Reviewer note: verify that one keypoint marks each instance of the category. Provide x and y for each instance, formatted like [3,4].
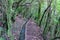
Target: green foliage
[37,13]
[36,8]
[1,38]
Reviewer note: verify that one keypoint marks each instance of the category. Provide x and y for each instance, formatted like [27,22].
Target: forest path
[32,31]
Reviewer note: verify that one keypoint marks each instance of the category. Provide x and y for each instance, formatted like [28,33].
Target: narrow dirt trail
[32,31]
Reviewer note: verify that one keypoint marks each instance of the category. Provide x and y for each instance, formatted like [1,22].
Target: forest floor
[32,31]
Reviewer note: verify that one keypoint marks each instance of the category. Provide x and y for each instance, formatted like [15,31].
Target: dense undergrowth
[46,14]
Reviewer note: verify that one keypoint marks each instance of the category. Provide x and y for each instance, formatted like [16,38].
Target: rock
[32,31]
